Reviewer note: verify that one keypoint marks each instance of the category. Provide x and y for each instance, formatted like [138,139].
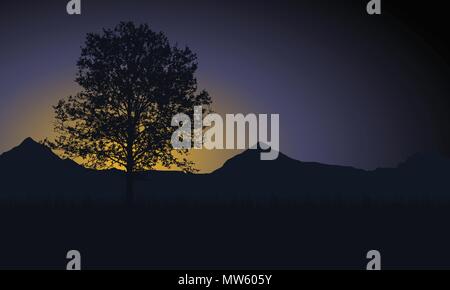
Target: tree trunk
[129,188]
[130,158]
[130,177]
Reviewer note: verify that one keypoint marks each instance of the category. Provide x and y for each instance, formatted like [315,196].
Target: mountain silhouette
[32,155]
[31,172]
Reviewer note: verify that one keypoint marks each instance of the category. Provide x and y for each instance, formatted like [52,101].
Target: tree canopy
[133,82]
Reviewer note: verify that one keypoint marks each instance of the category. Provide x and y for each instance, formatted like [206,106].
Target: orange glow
[34,118]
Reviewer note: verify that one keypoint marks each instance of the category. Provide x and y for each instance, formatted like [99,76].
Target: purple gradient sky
[350,89]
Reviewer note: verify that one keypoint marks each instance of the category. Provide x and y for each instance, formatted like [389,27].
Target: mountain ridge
[33,148]
[31,171]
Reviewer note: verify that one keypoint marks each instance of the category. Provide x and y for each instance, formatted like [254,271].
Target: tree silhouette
[133,82]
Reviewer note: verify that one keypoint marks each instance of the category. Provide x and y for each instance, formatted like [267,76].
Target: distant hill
[32,173]
[32,155]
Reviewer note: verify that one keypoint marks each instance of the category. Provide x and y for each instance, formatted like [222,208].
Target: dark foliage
[133,82]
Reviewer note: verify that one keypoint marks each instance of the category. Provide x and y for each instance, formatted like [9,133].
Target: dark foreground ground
[176,237]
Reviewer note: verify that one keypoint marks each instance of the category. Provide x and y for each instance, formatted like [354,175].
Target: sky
[351,89]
